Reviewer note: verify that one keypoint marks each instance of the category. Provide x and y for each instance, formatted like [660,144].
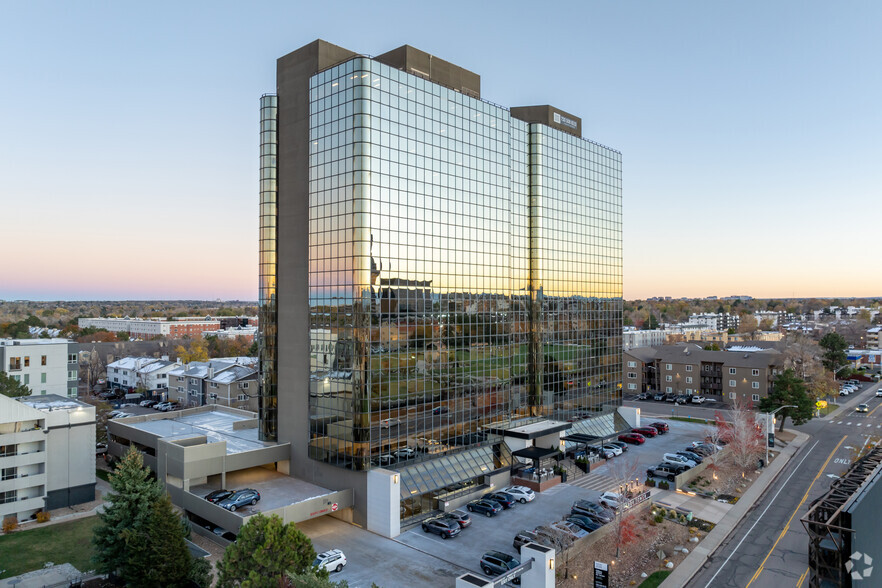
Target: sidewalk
[696,559]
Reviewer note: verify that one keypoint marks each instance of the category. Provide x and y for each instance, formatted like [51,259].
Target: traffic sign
[334,507]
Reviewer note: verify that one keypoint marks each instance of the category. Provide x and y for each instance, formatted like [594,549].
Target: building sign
[565,121]
[601,575]
[334,507]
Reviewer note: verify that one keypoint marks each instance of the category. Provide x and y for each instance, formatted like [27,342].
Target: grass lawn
[654,579]
[827,409]
[26,551]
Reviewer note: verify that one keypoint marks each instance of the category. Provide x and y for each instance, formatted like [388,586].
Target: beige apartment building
[690,370]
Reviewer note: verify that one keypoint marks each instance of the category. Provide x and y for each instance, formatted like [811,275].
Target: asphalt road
[769,547]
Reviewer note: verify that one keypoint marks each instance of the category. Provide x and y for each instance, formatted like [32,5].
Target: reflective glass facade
[267,303]
[464,274]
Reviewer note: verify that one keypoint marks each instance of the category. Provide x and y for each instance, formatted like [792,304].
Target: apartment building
[47,454]
[146,373]
[46,366]
[145,328]
[224,382]
[746,375]
[632,338]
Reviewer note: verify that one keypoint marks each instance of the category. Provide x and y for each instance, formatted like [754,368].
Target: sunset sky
[750,132]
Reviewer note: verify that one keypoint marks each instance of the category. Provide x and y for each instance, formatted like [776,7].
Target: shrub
[10,524]
[682,519]
[43,516]
[649,483]
[659,517]
[664,485]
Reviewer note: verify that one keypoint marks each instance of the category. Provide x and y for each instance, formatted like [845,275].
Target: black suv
[494,563]
[504,498]
[524,537]
[592,510]
[444,527]
[666,470]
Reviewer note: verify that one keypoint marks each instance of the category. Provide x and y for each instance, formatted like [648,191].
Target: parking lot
[419,558]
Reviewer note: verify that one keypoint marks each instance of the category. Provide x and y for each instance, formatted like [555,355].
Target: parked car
[587,523]
[620,444]
[664,470]
[645,431]
[712,447]
[385,459]
[696,399]
[161,405]
[844,392]
[240,498]
[674,458]
[486,507]
[332,561]
[218,495]
[643,396]
[503,498]
[862,408]
[171,406]
[389,423]
[661,427]
[658,396]
[522,493]
[670,398]
[571,530]
[405,453]
[681,399]
[524,537]
[614,448]
[610,500]
[635,438]
[147,403]
[702,451]
[495,563]
[463,519]
[592,510]
[444,527]
[691,455]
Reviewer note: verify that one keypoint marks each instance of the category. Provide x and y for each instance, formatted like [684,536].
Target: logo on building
[562,120]
[853,563]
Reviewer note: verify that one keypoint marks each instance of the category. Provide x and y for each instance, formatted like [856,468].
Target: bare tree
[624,471]
[93,367]
[743,433]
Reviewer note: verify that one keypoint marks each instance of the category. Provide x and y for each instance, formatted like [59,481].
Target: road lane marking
[763,513]
[759,570]
[848,423]
[802,578]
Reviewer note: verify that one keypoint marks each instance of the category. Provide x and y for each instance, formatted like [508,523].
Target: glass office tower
[464,277]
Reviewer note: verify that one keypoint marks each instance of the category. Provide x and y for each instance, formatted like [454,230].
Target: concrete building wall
[383,500]
[292,79]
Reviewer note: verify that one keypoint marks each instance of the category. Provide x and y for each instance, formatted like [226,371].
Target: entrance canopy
[534,453]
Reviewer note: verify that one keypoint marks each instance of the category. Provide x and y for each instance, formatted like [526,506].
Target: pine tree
[124,521]
[164,559]
[265,552]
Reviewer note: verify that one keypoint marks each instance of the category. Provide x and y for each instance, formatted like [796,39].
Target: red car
[635,438]
[661,427]
[645,431]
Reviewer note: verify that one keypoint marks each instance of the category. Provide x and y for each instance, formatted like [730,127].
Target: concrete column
[384,502]
[631,415]
[541,573]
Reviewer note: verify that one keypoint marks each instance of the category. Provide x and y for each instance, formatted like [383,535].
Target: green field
[29,550]
[655,579]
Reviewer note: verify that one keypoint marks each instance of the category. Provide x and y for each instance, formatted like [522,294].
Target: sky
[750,132]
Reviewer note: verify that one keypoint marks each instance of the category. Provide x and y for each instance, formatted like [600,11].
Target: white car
[879,393]
[568,529]
[679,459]
[332,561]
[697,399]
[405,453]
[521,493]
[610,500]
[616,450]
[389,423]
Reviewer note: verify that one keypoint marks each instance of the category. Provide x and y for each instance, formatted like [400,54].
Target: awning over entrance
[534,453]
[533,430]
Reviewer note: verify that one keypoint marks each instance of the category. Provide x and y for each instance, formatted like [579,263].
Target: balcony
[31,436]
[23,459]
[23,481]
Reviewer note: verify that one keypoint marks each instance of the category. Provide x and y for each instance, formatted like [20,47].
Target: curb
[696,559]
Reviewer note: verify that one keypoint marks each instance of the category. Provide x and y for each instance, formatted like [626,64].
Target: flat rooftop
[215,425]
[533,430]
[276,490]
[49,402]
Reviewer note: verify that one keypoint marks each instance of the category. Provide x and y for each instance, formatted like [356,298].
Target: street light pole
[768,422]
